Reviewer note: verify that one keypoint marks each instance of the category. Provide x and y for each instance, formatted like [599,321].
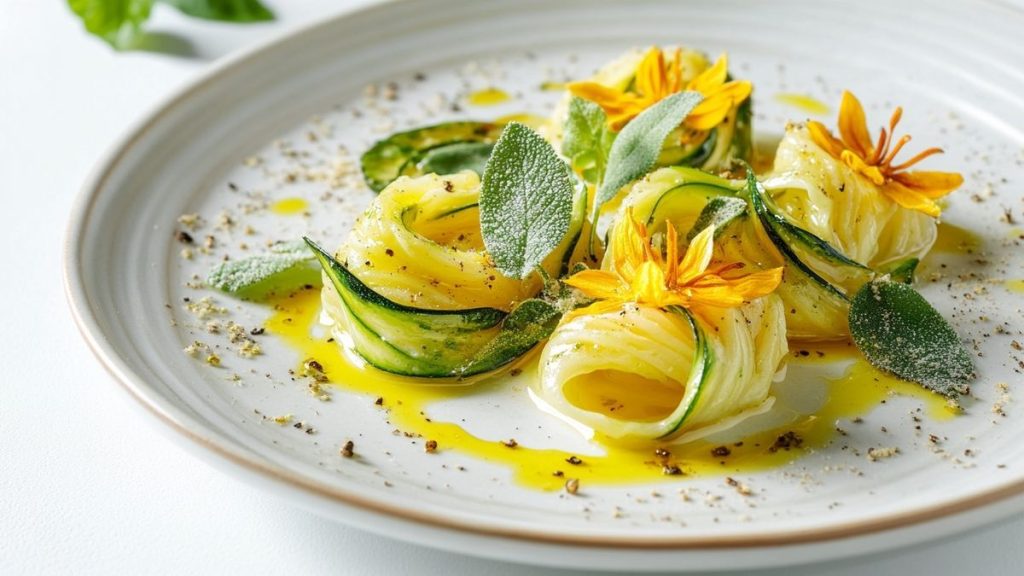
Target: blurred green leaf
[223,10]
[119,22]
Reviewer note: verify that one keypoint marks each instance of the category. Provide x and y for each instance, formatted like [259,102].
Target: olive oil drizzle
[855,393]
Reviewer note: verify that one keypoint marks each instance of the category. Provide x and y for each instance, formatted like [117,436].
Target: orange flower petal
[600,94]
[620,107]
[824,138]
[671,254]
[910,198]
[853,126]
[931,184]
[873,173]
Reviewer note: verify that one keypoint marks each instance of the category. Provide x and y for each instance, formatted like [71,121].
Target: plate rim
[185,426]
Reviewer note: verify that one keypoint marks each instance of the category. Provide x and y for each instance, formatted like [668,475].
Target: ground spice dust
[856,393]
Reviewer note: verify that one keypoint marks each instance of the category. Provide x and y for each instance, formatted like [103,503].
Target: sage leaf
[898,331]
[530,322]
[638,145]
[285,267]
[718,212]
[526,201]
[586,139]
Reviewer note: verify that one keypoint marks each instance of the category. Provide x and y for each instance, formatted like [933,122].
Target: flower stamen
[642,275]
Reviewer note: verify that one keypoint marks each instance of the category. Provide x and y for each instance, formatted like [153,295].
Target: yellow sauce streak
[956,240]
[1014,286]
[803,102]
[623,395]
[531,120]
[289,206]
[488,97]
[857,392]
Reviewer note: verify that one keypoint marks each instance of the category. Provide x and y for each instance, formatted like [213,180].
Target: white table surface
[87,485]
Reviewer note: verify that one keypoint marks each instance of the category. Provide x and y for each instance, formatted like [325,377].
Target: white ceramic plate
[951,67]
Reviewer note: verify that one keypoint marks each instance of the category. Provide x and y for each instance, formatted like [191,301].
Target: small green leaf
[525,201]
[902,270]
[119,22]
[587,139]
[457,157]
[223,10]
[638,145]
[287,266]
[529,323]
[898,331]
[718,212]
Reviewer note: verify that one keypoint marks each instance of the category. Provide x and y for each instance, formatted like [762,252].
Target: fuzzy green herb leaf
[287,266]
[638,145]
[526,201]
[718,212]
[587,139]
[527,325]
[898,331]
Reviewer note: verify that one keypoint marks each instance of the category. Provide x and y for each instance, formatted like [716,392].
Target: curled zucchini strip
[412,289]
[642,373]
[835,203]
[440,149]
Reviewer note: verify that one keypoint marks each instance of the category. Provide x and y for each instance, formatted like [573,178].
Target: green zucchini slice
[440,149]
[415,292]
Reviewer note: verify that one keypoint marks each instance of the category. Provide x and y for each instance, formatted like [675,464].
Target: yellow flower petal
[712,78]
[649,284]
[674,72]
[717,104]
[598,284]
[630,246]
[697,256]
[599,307]
[650,75]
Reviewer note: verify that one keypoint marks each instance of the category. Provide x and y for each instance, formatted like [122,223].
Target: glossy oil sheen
[406,402]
